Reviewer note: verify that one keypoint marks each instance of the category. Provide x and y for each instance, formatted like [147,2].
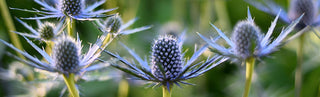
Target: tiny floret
[167,54]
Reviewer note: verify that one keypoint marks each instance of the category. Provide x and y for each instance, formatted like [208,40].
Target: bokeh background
[273,77]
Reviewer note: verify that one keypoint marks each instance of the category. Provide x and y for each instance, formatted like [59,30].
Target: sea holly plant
[311,18]
[247,44]
[168,67]
[66,58]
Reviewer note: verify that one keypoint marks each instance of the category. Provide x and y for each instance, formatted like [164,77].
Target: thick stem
[249,71]
[298,75]
[10,26]
[166,92]
[69,80]
[123,88]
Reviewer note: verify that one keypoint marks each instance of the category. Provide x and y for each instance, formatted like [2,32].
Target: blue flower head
[75,9]
[297,7]
[167,64]
[247,40]
[66,57]
[46,31]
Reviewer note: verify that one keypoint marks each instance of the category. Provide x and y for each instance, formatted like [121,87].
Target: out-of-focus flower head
[297,7]
[46,31]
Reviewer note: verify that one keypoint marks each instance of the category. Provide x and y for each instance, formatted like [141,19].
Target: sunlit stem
[166,92]
[298,75]
[49,46]
[249,71]
[10,26]
[123,88]
[70,26]
[70,82]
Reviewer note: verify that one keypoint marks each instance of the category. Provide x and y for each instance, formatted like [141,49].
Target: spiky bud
[66,55]
[167,54]
[47,31]
[71,7]
[113,23]
[246,39]
[308,7]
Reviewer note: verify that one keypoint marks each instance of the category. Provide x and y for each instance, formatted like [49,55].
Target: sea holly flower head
[66,57]
[247,40]
[246,37]
[167,64]
[75,9]
[115,25]
[46,31]
[307,7]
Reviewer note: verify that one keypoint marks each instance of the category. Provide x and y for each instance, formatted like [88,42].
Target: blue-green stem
[166,92]
[10,26]
[123,88]
[249,71]
[298,73]
[70,82]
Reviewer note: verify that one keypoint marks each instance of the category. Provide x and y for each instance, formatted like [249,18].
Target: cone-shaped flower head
[307,7]
[167,64]
[167,54]
[47,31]
[113,23]
[66,53]
[71,7]
[246,39]
[75,9]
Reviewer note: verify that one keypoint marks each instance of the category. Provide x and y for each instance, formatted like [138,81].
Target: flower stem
[123,88]
[249,71]
[10,26]
[69,80]
[166,92]
[298,75]
[70,26]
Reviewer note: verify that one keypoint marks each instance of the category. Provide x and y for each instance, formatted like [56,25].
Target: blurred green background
[273,77]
